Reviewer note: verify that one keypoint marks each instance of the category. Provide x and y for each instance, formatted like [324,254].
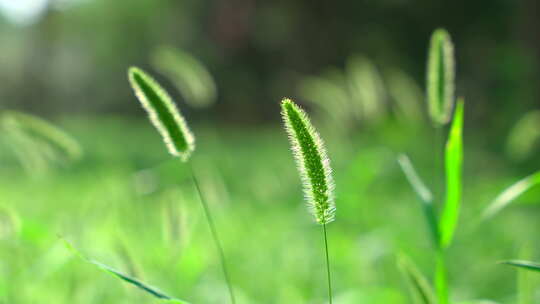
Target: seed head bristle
[163,113]
[312,161]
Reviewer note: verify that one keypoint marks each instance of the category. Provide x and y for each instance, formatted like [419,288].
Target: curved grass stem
[215,236]
[327,264]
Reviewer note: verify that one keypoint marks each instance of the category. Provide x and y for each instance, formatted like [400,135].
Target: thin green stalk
[439,146]
[441,281]
[327,264]
[215,235]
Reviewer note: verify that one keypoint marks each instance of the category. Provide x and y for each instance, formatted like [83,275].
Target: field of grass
[127,204]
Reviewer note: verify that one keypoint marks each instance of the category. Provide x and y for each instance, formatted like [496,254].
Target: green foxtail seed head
[312,161]
[440,77]
[163,113]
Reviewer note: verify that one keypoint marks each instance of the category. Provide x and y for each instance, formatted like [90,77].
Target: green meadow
[248,152]
[130,206]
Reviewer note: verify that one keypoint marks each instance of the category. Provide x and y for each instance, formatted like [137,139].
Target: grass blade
[421,289]
[425,195]
[414,180]
[510,194]
[523,264]
[440,77]
[130,280]
[453,167]
[163,113]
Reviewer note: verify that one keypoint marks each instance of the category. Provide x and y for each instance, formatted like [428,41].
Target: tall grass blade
[523,264]
[189,75]
[312,161]
[421,289]
[130,280]
[510,194]
[440,77]
[425,195]
[163,113]
[453,168]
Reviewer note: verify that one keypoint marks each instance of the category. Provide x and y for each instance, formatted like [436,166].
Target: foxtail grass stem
[327,264]
[215,236]
[441,282]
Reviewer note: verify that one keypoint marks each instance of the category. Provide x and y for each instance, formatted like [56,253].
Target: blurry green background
[357,66]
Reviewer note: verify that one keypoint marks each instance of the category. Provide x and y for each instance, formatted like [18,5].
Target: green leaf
[420,287]
[130,280]
[510,194]
[423,193]
[523,264]
[163,113]
[453,168]
[440,77]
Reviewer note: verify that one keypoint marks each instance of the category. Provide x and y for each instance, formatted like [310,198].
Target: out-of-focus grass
[127,205]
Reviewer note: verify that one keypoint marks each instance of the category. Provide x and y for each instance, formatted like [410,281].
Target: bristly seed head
[312,161]
[441,77]
[163,113]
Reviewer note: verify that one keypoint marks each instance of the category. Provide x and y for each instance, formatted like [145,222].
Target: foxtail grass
[179,140]
[440,77]
[440,87]
[315,171]
[163,114]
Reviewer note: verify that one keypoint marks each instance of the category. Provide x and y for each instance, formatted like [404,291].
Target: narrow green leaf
[312,161]
[510,194]
[453,168]
[523,264]
[440,77]
[140,285]
[420,287]
[423,193]
[163,113]
[526,280]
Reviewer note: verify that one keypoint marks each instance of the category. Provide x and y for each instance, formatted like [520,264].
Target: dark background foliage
[73,57]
